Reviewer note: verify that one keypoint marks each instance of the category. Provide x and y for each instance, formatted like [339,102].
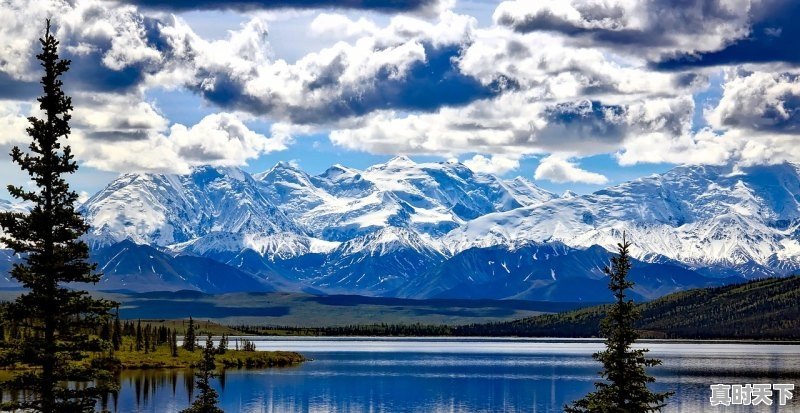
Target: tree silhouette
[207,401]
[625,387]
[190,339]
[57,323]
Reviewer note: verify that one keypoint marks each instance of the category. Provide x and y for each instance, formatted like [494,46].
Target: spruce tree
[57,323]
[207,401]
[190,338]
[139,338]
[222,348]
[624,389]
[174,343]
[116,336]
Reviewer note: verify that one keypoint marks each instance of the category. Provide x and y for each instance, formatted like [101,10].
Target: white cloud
[557,169]
[759,102]
[341,27]
[756,121]
[14,124]
[83,196]
[496,164]
[218,139]
[652,28]
[334,83]
[517,124]
[116,117]
[221,139]
[578,87]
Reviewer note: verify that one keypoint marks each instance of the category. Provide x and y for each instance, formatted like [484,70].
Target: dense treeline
[759,309]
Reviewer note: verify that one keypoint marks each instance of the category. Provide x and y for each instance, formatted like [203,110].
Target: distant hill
[760,309]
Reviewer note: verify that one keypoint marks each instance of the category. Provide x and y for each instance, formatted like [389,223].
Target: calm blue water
[460,375]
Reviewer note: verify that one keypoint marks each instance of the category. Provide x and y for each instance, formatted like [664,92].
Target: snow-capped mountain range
[440,230]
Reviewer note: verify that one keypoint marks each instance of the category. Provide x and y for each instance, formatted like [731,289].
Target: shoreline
[531,338]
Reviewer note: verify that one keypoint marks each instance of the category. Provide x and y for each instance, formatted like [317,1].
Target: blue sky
[573,94]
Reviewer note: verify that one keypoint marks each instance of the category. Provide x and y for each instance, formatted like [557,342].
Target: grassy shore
[162,358]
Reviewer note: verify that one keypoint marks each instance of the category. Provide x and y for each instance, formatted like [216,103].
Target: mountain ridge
[426,230]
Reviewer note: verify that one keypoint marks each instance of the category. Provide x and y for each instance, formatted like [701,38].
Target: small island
[159,344]
[162,358]
[154,344]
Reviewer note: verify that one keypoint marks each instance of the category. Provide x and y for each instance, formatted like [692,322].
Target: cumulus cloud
[14,124]
[654,28]
[518,124]
[771,38]
[116,117]
[218,139]
[759,102]
[572,77]
[246,5]
[408,65]
[221,139]
[496,164]
[756,121]
[557,169]
[111,48]
[341,26]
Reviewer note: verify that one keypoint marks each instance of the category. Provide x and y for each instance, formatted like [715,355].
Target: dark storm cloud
[377,5]
[587,118]
[664,22]
[88,72]
[427,86]
[14,89]
[775,38]
[119,135]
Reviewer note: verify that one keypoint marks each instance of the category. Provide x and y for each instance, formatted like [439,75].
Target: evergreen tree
[2,325]
[207,401]
[139,342]
[105,331]
[59,322]
[625,387]
[116,335]
[223,345]
[174,343]
[190,339]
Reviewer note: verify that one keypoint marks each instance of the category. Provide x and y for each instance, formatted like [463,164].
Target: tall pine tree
[207,401]
[625,387]
[190,338]
[57,323]
[116,336]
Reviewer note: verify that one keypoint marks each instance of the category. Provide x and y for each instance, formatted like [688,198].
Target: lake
[460,375]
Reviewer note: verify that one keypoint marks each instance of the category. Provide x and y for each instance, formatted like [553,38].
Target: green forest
[758,309]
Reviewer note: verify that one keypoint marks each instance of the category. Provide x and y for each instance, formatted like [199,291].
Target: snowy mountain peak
[376,231]
[401,161]
[702,215]
[386,240]
[209,173]
[163,209]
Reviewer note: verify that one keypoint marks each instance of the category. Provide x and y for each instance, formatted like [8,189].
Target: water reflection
[447,376]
